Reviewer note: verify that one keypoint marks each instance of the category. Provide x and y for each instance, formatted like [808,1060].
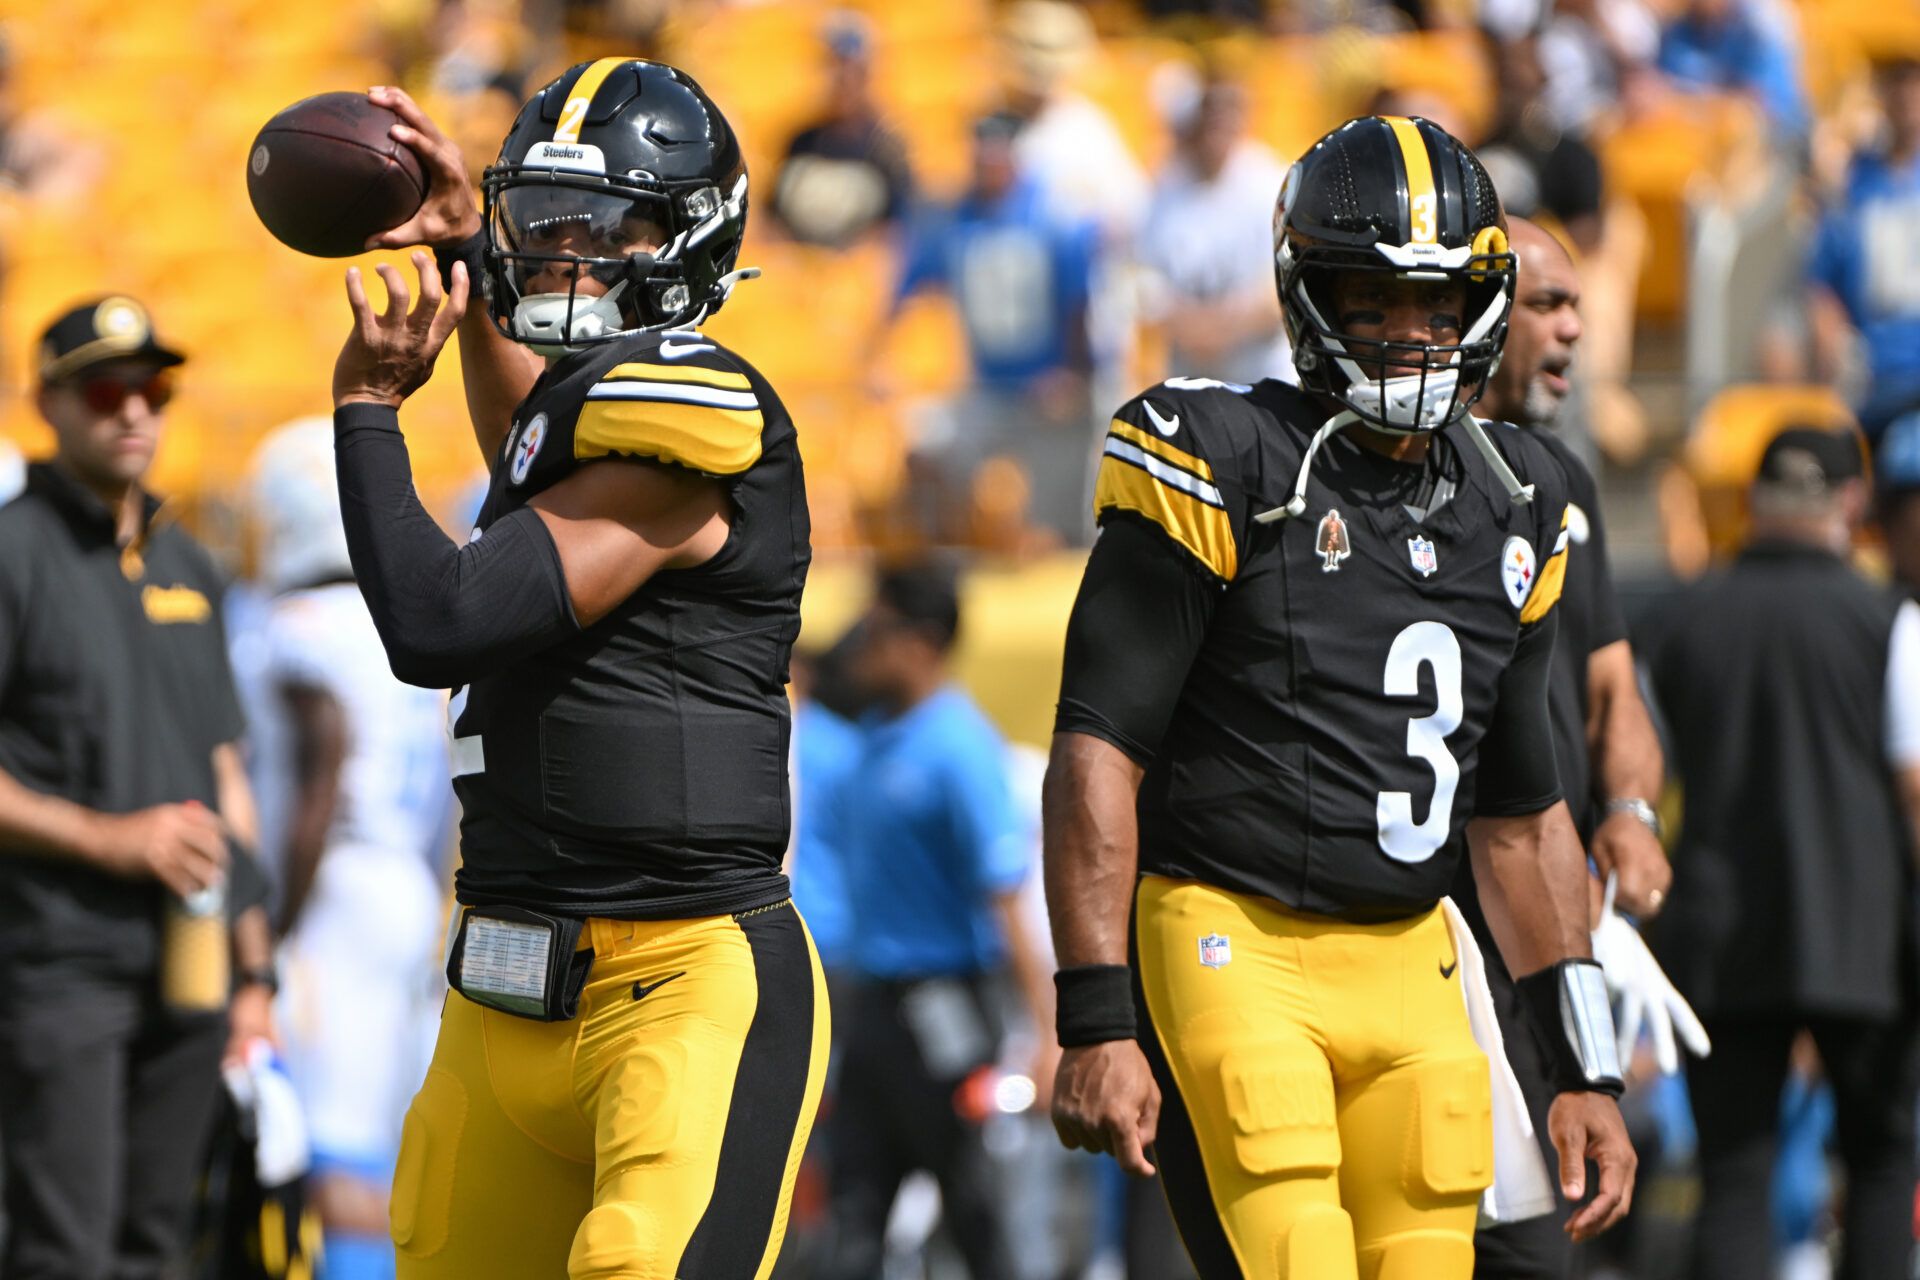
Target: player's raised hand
[449,214]
[1105,1099]
[1587,1126]
[390,354]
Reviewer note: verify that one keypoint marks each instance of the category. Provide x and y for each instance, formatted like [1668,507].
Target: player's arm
[447,613]
[1531,872]
[1139,620]
[497,372]
[1627,766]
[319,753]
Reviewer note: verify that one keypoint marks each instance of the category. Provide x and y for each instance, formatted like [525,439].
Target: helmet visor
[549,234]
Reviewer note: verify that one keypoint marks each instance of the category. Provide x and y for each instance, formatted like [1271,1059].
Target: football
[324,175]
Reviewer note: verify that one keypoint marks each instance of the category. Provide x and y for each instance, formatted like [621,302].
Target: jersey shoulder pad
[676,397]
[1536,462]
[1173,455]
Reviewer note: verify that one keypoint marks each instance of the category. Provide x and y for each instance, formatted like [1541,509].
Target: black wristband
[472,251]
[1094,1004]
[261,976]
[1572,1022]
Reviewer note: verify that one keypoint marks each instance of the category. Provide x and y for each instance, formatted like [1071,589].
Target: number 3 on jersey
[1432,644]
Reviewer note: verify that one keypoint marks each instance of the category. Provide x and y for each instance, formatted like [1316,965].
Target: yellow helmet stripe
[573,113]
[1423,203]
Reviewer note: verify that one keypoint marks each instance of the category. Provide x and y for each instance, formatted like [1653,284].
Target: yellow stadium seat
[1723,453]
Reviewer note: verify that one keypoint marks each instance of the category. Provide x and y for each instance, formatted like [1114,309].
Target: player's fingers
[357,299]
[1128,1152]
[1150,1116]
[431,291]
[442,155]
[447,319]
[1610,1200]
[401,103]
[1570,1140]
[398,296]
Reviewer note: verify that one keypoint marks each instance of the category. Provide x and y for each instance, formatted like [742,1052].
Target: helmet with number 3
[617,206]
[1397,195]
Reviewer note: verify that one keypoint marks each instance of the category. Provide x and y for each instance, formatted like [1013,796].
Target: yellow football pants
[655,1136]
[1325,1111]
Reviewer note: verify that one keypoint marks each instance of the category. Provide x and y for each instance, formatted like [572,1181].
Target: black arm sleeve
[1137,623]
[1517,772]
[446,613]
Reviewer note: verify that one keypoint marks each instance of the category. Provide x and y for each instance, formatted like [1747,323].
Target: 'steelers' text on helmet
[1398,195]
[624,171]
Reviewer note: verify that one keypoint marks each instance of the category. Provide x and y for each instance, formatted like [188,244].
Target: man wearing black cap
[121,795]
[1793,689]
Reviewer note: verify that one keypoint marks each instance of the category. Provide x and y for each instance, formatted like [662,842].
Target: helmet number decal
[1424,230]
[572,116]
[1423,644]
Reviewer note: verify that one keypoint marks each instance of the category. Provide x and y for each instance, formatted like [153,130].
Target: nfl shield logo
[1420,550]
[1215,950]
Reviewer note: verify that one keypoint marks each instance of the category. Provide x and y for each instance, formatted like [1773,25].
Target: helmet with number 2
[1402,196]
[616,206]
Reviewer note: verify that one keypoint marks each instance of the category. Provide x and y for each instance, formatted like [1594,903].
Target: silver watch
[1648,816]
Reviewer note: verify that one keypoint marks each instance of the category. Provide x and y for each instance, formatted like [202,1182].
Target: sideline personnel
[624,1083]
[1293,695]
[118,729]
[1792,686]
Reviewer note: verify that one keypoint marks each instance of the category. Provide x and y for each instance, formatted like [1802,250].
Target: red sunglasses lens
[106,395]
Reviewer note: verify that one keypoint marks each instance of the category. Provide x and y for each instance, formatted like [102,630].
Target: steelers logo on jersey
[527,448]
[1517,569]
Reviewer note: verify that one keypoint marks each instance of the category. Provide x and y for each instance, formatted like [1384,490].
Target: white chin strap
[1521,494]
[541,321]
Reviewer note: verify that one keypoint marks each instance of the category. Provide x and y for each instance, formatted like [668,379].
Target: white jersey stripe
[676,392]
[1171,476]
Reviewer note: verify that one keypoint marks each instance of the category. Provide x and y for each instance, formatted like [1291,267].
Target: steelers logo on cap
[121,318]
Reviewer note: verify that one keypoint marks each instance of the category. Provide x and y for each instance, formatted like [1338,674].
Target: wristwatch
[1648,816]
[258,976]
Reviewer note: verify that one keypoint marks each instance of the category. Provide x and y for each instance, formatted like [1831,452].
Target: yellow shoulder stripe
[1160,448]
[1546,591]
[721,442]
[682,373]
[1200,527]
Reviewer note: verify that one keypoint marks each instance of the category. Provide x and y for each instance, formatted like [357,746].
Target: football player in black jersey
[1306,671]
[1605,746]
[629,1066]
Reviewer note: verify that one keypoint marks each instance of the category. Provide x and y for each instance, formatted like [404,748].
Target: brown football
[324,175]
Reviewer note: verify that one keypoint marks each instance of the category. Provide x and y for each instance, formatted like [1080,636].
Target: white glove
[1645,994]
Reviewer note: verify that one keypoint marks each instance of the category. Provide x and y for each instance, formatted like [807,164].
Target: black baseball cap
[111,328]
[1808,461]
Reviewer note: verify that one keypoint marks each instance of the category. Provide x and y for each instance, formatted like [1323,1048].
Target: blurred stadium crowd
[981,227]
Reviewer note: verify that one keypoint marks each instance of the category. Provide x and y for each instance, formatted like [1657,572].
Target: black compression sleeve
[446,613]
[1517,770]
[1137,623]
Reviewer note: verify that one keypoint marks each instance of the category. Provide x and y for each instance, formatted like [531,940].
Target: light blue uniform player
[363,824]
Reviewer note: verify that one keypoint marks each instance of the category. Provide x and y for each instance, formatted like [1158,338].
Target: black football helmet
[1401,195]
[624,171]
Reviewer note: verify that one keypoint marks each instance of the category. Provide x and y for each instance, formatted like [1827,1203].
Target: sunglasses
[105,394]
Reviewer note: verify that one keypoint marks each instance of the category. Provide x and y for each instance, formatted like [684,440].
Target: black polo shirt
[114,691]
[1792,880]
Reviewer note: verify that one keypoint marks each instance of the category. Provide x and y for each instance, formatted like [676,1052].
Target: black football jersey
[1324,747]
[639,769]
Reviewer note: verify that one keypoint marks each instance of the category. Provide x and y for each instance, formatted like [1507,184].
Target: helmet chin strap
[1520,494]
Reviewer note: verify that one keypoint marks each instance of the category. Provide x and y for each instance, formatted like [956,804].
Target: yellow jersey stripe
[1423,205]
[721,442]
[1546,592]
[573,112]
[1147,442]
[681,373]
[1201,528]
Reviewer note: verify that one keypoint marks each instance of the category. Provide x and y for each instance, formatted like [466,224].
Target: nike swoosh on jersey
[1446,970]
[1165,426]
[641,989]
[671,350]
